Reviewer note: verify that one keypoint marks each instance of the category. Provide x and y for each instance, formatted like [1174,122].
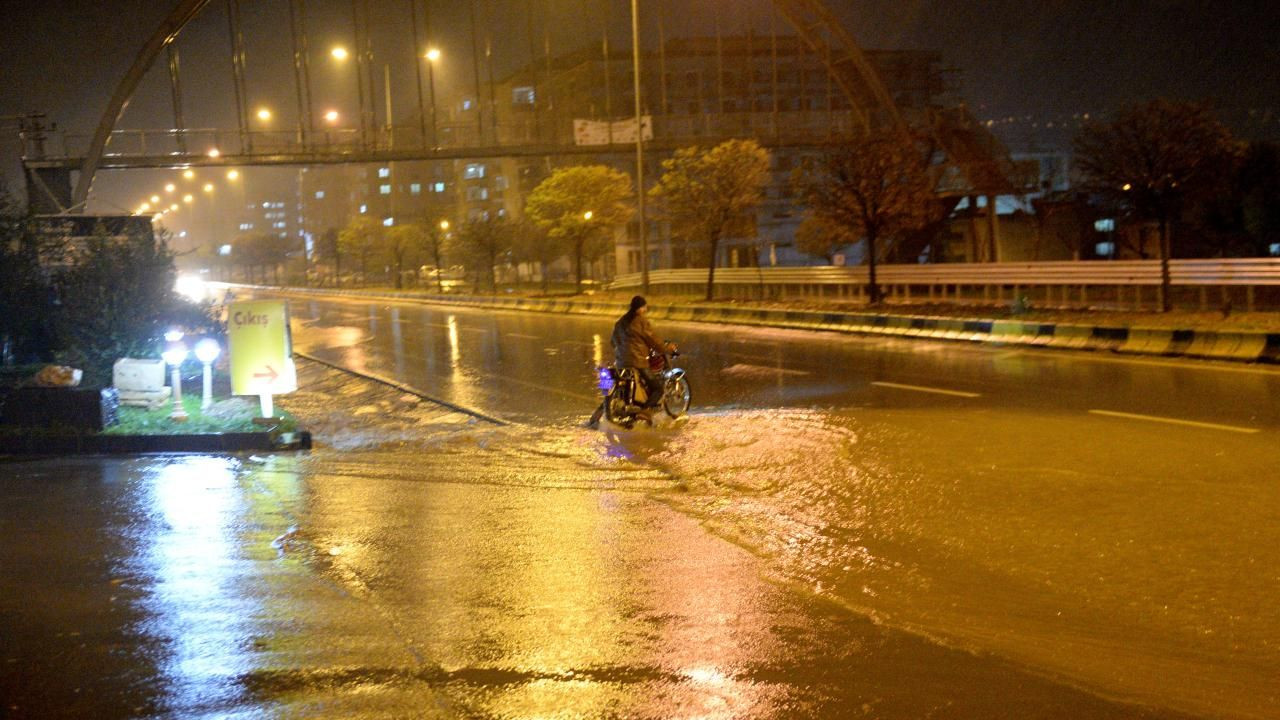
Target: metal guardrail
[1091,282]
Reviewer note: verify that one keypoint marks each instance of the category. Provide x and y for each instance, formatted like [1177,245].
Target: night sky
[1047,59]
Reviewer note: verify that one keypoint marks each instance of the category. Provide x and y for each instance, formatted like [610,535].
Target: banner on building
[619,132]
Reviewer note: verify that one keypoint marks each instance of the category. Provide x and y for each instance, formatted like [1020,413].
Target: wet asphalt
[416,565]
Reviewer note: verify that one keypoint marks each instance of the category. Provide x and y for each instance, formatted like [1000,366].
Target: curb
[1202,344]
[150,444]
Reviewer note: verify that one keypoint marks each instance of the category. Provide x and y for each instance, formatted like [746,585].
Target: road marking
[749,369]
[1176,421]
[918,388]
[523,336]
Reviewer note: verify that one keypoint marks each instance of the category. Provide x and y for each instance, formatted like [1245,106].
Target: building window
[224,250]
[1105,225]
[384,172]
[364,209]
[477,193]
[522,96]
[473,171]
[319,194]
[384,189]
[439,187]
[1105,249]
[1275,249]
[388,221]
[500,183]
[415,188]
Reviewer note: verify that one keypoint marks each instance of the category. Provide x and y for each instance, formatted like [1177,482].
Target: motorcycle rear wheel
[676,397]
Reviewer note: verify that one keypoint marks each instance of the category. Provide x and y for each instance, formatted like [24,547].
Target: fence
[1248,283]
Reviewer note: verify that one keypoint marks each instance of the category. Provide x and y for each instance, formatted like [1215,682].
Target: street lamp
[432,56]
[174,353]
[189,174]
[587,215]
[339,53]
[207,350]
[170,187]
[264,115]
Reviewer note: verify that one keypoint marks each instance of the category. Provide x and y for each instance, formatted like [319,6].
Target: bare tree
[1153,157]
[876,188]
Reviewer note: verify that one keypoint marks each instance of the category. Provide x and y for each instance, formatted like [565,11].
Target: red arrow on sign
[270,374]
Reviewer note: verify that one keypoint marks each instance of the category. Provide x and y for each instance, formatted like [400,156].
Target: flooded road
[1107,521]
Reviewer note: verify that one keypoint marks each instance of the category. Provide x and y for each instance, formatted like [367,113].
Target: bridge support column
[48,190]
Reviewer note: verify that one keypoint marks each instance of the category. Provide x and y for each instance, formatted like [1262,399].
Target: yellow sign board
[261,348]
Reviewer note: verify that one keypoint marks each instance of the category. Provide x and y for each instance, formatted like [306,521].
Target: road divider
[1207,344]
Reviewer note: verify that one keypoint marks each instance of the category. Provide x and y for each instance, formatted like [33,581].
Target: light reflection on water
[1040,539]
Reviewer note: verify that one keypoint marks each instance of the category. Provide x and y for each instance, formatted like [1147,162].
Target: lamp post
[644,238]
[432,56]
[207,350]
[174,353]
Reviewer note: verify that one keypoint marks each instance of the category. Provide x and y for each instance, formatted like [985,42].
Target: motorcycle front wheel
[676,397]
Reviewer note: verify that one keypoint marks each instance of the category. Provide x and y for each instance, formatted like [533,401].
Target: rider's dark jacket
[632,341]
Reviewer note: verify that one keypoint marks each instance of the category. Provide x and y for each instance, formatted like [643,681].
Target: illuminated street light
[173,207]
[208,187]
[444,225]
[587,215]
[170,187]
[264,115]
[174,353]
[432,56]
[339,53]
[144,207]
[189,174]
[331,117]
[207,350]
[188,198]
[214,152]
[155,199]
[233,175]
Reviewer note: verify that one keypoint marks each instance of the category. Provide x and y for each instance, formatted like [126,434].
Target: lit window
[439,187]
[477,193]
[522,95]
[384,189]
[1105,249]
[467,104]
[384,172]
[1275,249]
[319,194]
[364,209]
[278,225]
[1105,225]
[415,188]
[224,250]
[388,221]
[473,171]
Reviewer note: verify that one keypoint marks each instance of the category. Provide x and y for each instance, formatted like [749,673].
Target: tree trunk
[1166,283]
[399,272]
[435,255]
[873,287]
[546,287]
[711,269]
[577,263]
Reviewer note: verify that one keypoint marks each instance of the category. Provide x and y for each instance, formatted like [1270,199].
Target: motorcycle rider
[632,339]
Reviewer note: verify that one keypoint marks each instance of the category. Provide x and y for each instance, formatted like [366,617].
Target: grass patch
[227,415]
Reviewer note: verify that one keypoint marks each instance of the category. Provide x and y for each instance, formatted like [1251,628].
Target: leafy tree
[820,238]
[1152,158]
[876,188]
[359,239]
[433,246]
[26,299]
[478,244]
[401,243]
[533,244]
[706,194]
[581,207]
[326,249]
[1243,217]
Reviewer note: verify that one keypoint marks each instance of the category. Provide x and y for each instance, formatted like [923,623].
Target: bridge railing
[1245,283]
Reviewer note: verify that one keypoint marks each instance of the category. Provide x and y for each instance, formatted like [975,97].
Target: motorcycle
[625,393]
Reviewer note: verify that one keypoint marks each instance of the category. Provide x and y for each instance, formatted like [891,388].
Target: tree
[327,251]
[581,207]
[706,194]
[401,243]
[532,244]
[434,247]
[1152,158]
[876,188]
[478,244]
[820,238]
[359,239]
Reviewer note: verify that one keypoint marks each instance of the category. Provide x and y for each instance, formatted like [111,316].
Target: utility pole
[635,62]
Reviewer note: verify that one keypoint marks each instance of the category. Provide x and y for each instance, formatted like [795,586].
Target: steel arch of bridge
[813,21]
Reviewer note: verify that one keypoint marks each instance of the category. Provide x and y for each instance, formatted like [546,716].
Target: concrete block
[138,375]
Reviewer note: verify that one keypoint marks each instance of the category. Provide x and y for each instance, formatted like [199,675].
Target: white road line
[936,391]
[1176,421]
[522,336]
